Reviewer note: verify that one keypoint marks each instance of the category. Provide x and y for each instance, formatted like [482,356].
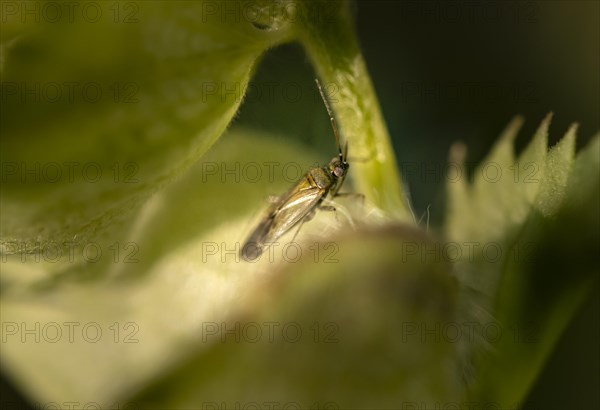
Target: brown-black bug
[300,203]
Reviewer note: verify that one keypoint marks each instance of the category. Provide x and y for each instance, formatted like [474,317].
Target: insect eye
[338,171]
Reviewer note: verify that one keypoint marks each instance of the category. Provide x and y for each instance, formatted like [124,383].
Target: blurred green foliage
[177,210]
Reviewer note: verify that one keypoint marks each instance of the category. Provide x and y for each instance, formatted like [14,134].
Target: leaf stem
[330,41]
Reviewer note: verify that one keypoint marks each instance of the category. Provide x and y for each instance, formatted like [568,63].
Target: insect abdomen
[253,247]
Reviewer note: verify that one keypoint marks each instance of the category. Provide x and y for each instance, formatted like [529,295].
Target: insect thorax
[322,177]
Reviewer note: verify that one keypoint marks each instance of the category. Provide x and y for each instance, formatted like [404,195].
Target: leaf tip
[542,131]
[458,153]
[512,129]
[570,136]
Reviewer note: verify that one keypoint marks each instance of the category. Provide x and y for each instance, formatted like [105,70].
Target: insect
[300,203]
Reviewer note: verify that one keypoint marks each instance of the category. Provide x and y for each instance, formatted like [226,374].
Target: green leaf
[97,115]
[158,291]
[533,288]
[490,212]
[344,334]
[534,303]
[558,166]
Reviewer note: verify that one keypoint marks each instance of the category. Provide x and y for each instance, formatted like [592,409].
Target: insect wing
[282,216]
[252,249]
[297,205]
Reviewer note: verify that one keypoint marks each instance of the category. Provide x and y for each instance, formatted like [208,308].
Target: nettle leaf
[106,103]
[537,215]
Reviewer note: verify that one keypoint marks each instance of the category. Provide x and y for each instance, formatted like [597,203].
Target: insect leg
[351,194]
[330,208]
[422,216]
[307,218]
[335,209]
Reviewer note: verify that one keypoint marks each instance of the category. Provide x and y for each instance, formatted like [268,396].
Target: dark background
[446,71]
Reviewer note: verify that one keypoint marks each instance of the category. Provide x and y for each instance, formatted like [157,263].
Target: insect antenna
[345,157]
[332,119]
